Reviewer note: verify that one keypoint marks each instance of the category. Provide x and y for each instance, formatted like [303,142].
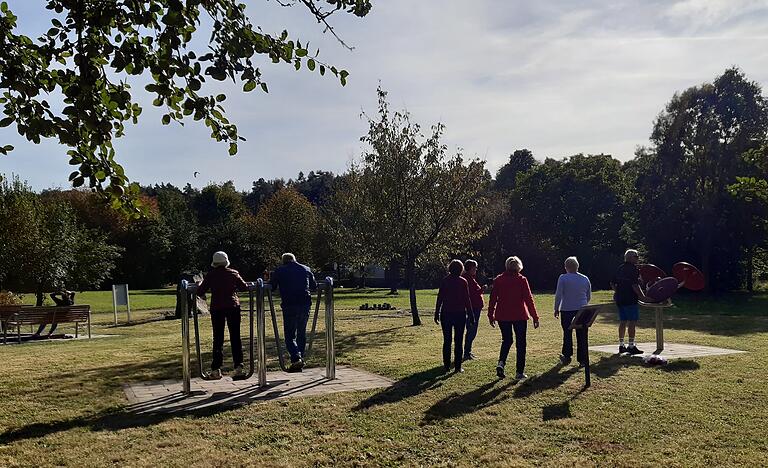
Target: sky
[557,77]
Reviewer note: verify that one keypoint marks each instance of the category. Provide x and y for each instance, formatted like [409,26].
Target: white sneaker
[520,376]
[215,374]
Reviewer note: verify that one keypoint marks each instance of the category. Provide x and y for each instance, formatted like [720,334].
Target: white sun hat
[220,259]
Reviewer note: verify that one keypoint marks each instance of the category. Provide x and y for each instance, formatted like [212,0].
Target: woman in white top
[573,292]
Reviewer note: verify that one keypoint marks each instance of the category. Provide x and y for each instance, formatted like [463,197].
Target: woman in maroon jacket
[224,283]
[512,305]
[452,311]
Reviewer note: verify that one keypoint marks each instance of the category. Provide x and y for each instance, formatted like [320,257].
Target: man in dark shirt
[295,283]
[224,283]
[627,291]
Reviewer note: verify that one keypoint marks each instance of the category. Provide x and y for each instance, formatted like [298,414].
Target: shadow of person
[460,404]
[609,366]
[549,380]
[406,388]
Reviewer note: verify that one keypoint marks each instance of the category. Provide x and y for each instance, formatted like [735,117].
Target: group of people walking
[460,302]
[458,309]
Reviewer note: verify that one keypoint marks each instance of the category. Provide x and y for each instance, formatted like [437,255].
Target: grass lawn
[62,403]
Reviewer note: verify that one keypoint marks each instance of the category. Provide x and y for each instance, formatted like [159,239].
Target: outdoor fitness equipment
[324,290]
[258,292]
[660,288]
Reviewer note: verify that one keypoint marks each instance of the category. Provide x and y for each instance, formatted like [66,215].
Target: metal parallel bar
[185,370]
[314,322]
[276,329]
[195,320]
[251,299]
[261,334]
[330,363]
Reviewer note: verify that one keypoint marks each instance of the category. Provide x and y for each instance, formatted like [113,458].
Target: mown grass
[62,403]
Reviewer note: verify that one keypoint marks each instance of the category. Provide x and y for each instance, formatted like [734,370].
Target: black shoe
[469,357]
[634,351]
[565,360]
[296,366]
[447,368]
[458,370]
[500,372]
[622,349]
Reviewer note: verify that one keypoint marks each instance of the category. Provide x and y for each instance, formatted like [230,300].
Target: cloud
[558,77]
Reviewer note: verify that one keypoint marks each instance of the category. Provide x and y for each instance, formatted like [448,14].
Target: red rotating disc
[690,276]
[662,290]
[650,273]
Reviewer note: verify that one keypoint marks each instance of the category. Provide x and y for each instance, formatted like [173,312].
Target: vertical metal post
[659,330]
[185,370]
[128,302]
[114,303]
[330,345]
[261,334]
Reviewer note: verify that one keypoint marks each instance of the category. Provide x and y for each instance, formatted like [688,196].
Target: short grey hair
[630,253]
[288,257]
[572,263]
[470,264]
[514,261]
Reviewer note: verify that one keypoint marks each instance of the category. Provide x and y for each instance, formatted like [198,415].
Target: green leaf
[220,98]
[311,64]
[166,119]
[232,149]
[6,121]
[249,86]
[264,87]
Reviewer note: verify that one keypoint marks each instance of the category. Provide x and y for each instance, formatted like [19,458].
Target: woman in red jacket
[453,311]
[512,305]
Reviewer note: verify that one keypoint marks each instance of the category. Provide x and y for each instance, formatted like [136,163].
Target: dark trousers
[295,320]
[520,328]
[41,329]
[471,331]
[453,326]
[566,317]
[230,317]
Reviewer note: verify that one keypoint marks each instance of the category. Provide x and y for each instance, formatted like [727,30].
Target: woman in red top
[224,283]
[476,298]
[453,310]
[512,305]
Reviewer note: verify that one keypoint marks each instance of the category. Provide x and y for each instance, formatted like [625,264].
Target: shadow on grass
[493,393]
[143,414]
[408,387]
[609,366]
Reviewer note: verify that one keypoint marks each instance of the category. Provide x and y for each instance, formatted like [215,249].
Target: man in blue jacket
[295,283]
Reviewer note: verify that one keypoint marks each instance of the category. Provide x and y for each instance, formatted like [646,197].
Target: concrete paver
[166,396]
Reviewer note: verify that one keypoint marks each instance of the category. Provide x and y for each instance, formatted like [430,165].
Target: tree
[407,199]
[55,250]
[520,161]
[684,209]
[577,205]
[287,223]
[93,46]
[752,193]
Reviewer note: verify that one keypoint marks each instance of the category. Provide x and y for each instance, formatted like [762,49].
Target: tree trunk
[411,276]
[750,269]
[39,295]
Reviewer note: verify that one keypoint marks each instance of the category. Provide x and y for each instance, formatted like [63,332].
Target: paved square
[671,350]
[165,396]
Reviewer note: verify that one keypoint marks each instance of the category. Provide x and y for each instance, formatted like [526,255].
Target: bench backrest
[45,315]
[8,311]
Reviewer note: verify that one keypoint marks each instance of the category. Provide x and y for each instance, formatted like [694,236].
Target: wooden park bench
[16,316]
[6,312]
